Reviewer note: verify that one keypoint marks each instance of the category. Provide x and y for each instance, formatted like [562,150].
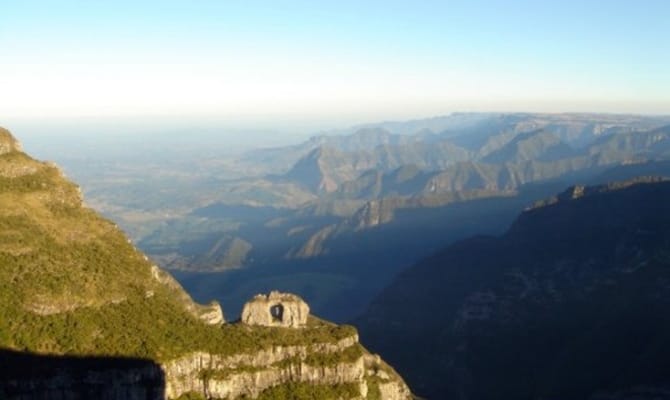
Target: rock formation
[8,143]
[276,309]
[340,364]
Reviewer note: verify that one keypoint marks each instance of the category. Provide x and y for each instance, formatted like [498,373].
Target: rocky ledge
[333,365]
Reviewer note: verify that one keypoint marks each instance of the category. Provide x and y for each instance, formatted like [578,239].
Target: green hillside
[72,283]
[86,315]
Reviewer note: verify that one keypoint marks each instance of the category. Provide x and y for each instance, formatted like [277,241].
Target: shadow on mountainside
[35,376]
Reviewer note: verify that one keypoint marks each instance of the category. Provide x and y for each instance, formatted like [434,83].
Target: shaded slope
[69,377]
[572,301]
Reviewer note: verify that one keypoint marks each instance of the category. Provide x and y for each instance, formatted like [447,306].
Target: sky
[255,62]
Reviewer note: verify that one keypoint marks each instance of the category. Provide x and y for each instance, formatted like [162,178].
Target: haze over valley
[336,216]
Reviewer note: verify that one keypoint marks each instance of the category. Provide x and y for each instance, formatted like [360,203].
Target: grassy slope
[71,282]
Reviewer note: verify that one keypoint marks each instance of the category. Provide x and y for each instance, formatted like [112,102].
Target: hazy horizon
[307,67]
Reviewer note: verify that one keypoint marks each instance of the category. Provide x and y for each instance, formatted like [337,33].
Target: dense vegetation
[149,328]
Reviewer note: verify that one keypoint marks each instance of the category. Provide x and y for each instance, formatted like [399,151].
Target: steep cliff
[86,315]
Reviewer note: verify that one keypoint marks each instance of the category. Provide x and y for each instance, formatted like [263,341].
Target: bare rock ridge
[85,314]
[211,314]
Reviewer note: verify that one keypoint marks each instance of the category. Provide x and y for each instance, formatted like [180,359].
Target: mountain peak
[8,142]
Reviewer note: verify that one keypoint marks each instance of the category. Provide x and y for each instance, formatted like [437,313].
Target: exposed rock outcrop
[211,314]
[8,142]
[276,309]
[248,375]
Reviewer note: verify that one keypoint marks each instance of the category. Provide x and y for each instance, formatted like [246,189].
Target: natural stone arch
[277,312]
[276,309]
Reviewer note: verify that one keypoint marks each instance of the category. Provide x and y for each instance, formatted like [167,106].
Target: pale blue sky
[337,61]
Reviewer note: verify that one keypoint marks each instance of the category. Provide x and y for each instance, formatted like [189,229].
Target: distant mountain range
[346,200]
[389,145]
[363,178]
[335,217]
[508,157]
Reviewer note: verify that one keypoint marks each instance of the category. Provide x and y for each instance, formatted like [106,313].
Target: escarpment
[86,315]
[339,366]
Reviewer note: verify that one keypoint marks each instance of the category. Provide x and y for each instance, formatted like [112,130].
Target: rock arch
[276,309]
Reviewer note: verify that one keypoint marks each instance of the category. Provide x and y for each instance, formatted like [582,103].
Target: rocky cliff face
[7,142]
[86,315]
[249,375]
[342,364]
